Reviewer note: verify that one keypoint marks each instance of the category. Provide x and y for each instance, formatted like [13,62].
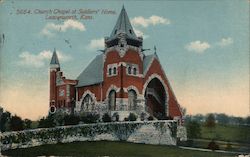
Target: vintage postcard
[125,78]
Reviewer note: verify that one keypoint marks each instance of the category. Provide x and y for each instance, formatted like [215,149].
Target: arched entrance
[155,96]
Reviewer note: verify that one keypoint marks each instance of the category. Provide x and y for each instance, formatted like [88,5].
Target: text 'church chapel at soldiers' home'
[121,80]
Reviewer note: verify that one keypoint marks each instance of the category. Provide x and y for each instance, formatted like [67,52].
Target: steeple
[123,34]
[123,25]
[54,60]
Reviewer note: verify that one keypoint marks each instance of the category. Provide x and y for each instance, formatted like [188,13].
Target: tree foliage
[193,129]
[210,121]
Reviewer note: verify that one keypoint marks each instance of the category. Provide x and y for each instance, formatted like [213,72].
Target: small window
[130,31]
[110,71]
[129,70]
[134,71]
[114,72]
[115,31]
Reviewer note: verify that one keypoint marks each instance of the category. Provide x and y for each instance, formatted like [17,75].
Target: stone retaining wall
[149,132]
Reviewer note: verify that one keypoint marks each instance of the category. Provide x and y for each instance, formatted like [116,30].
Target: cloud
[197,46]
[51,28]
[96,44]
[152,20]
[225,42]
[39,60]
[140,33]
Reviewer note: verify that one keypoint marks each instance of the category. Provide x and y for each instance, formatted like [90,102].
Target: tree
[16,123]
[210,121]
[222,118]
[27,124]
[4,121]
[47,122]
[193,129]
[248,120]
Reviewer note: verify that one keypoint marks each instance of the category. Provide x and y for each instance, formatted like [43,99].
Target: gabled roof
[93,73]
[54,59]
[147,61]
[123,25]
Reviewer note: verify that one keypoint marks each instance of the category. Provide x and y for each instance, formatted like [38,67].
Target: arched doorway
[132,99]
[155,96]
[87,103]
[112,100]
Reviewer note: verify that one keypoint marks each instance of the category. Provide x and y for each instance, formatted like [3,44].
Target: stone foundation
[148,132]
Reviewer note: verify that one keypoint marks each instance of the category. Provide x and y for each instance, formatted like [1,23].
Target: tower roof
[123,25]
[54,59]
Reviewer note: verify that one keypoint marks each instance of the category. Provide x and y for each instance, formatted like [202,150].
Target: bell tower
[123,35]
[54,68]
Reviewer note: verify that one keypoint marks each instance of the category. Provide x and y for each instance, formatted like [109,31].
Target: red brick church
[121,80]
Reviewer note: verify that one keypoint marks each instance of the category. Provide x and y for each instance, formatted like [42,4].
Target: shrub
[106,118]
[132,117]
[126,119]
[71,120]
[213,146]
[143,116]
[90,118]
[150,118]
[115,117]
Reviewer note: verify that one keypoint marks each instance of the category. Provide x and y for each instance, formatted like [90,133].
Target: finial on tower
[54,59]
[154,49]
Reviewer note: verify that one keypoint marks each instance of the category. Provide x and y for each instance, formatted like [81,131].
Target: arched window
[114,71]
[87,103]
[110,71]
[134,71]
[132,99]
[112,101]
[129,70]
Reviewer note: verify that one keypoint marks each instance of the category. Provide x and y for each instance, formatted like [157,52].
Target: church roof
[123,25]
[54,59]
[93,73]
[147,61]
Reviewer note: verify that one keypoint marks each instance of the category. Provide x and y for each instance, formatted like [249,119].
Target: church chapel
[121,80]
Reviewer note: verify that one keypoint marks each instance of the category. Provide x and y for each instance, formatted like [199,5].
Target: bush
[213,146]
[143,116]
[115,117]
[106,118]
[150,118]
[132,117]
[90,118]
[71,120]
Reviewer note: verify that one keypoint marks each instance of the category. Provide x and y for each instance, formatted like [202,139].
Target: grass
[227,133]
[108,148]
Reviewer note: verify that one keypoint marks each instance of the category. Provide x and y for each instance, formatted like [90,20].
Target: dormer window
[112,70]
[129,70]
[132,69]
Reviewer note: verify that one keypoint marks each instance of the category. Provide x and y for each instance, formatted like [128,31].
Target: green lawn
[227,133]
[107,148]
